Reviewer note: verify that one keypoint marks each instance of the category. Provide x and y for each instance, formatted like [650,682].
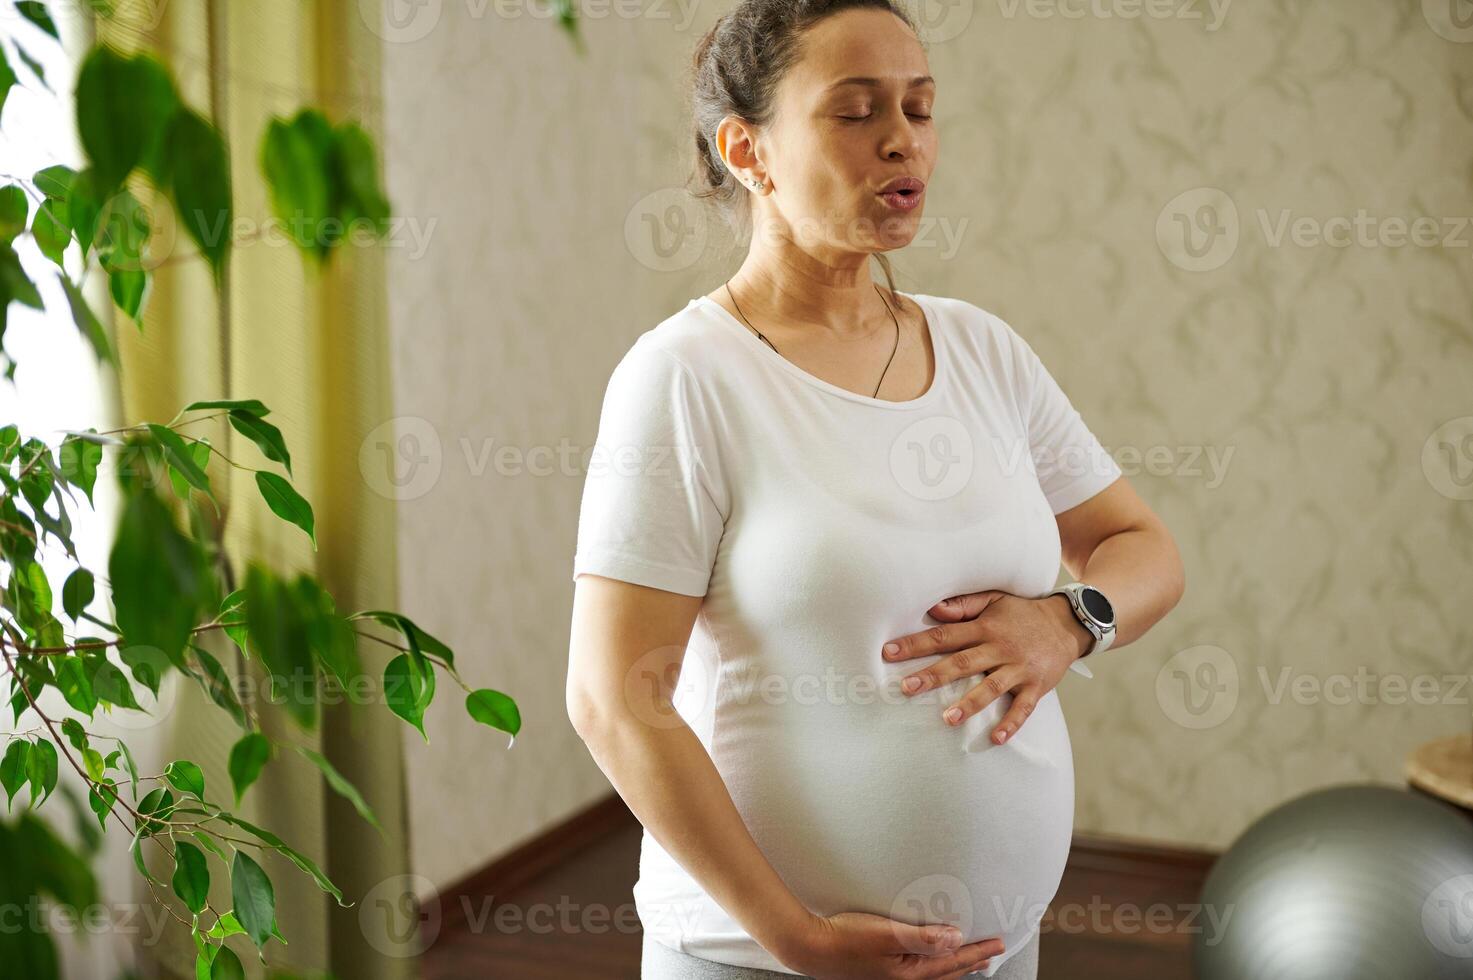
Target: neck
[842,301]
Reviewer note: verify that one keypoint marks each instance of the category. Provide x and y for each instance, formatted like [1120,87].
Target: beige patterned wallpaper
[1239,235]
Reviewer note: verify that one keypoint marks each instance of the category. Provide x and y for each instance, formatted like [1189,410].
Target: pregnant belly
[881,807]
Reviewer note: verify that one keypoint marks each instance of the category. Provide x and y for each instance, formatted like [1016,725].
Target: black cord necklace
[780,354]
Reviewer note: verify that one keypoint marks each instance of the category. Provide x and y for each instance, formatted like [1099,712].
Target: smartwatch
[1094,612]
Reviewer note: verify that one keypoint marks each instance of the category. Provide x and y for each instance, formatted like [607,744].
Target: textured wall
[1113,185]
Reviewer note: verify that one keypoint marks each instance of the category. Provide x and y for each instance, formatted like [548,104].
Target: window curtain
[311,342]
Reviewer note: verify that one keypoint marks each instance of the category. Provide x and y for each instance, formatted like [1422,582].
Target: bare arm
[627,642]
[1115,542]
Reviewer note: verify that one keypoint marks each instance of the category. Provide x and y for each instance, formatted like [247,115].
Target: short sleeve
[654,505]
[1071,464]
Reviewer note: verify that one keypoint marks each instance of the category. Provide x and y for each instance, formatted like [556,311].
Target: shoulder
[981,340]
[968,321]
[689,342]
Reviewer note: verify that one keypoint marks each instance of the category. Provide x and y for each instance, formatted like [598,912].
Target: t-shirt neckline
[938,347]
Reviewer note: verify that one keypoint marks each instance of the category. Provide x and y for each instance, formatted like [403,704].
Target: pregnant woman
[791,474]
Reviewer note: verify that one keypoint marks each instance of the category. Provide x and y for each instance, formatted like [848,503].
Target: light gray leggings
[660,962]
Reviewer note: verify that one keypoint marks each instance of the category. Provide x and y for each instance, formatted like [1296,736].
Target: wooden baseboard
[534,857]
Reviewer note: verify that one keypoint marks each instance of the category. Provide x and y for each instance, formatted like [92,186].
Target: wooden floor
[561,909]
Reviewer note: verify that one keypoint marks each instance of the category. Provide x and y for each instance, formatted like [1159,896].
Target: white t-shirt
[819,523]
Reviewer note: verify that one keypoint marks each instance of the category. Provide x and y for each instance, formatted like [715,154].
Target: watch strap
[1102,637]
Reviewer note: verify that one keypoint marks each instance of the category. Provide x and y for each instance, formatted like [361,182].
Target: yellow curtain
[311,344]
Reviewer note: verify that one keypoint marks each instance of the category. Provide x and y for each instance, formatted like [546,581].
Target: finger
[945,638]
[993,686]
[1025,699]
[966,606]
[927,940]
[963,663]
[967,959]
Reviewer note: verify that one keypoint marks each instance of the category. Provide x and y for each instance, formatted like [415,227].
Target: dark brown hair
[736,70]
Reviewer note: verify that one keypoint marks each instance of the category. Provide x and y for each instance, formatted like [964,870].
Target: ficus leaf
[227,965]
[41,768]
[250,405]
[253,897]
[296,159]
[55,181]
[264,435]
[228,925]
[247,757]
[77,592]
[341,785]
[419,641]
[495,709]
[186,777]
[303,862]
[191,876]
[87,323]
[217,684]
[181,457]
[408,690]
[78,459]
[286,503]
[124,102]
[7,78]
[200,183]
[52,235]
[13,767]
[35,12]
[157,575]
[128,287]
[13,211]
[280,635]
[71,680]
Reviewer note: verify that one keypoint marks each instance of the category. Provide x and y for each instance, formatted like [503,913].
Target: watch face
[1097,605]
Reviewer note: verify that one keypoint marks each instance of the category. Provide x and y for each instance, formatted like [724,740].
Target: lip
[913,184]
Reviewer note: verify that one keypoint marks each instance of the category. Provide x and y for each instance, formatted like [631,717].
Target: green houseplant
[168,577]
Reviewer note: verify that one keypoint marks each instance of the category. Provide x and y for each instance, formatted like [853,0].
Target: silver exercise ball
[1358,882]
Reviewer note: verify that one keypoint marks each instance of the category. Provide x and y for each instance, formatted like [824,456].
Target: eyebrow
[877,82]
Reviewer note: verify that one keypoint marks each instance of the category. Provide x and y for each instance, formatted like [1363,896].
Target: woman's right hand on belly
[861,946]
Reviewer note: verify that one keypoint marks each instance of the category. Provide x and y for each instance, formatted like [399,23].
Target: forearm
[668,780]
[1141,573]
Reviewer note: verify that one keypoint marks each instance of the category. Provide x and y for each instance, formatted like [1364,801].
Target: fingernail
[910,684]
[891,649]
[1002,736]
[952,714]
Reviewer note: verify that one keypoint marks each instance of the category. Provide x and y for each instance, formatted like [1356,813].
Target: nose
[902,140]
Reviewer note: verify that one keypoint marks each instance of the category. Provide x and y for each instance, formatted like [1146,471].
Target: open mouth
[903,193]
